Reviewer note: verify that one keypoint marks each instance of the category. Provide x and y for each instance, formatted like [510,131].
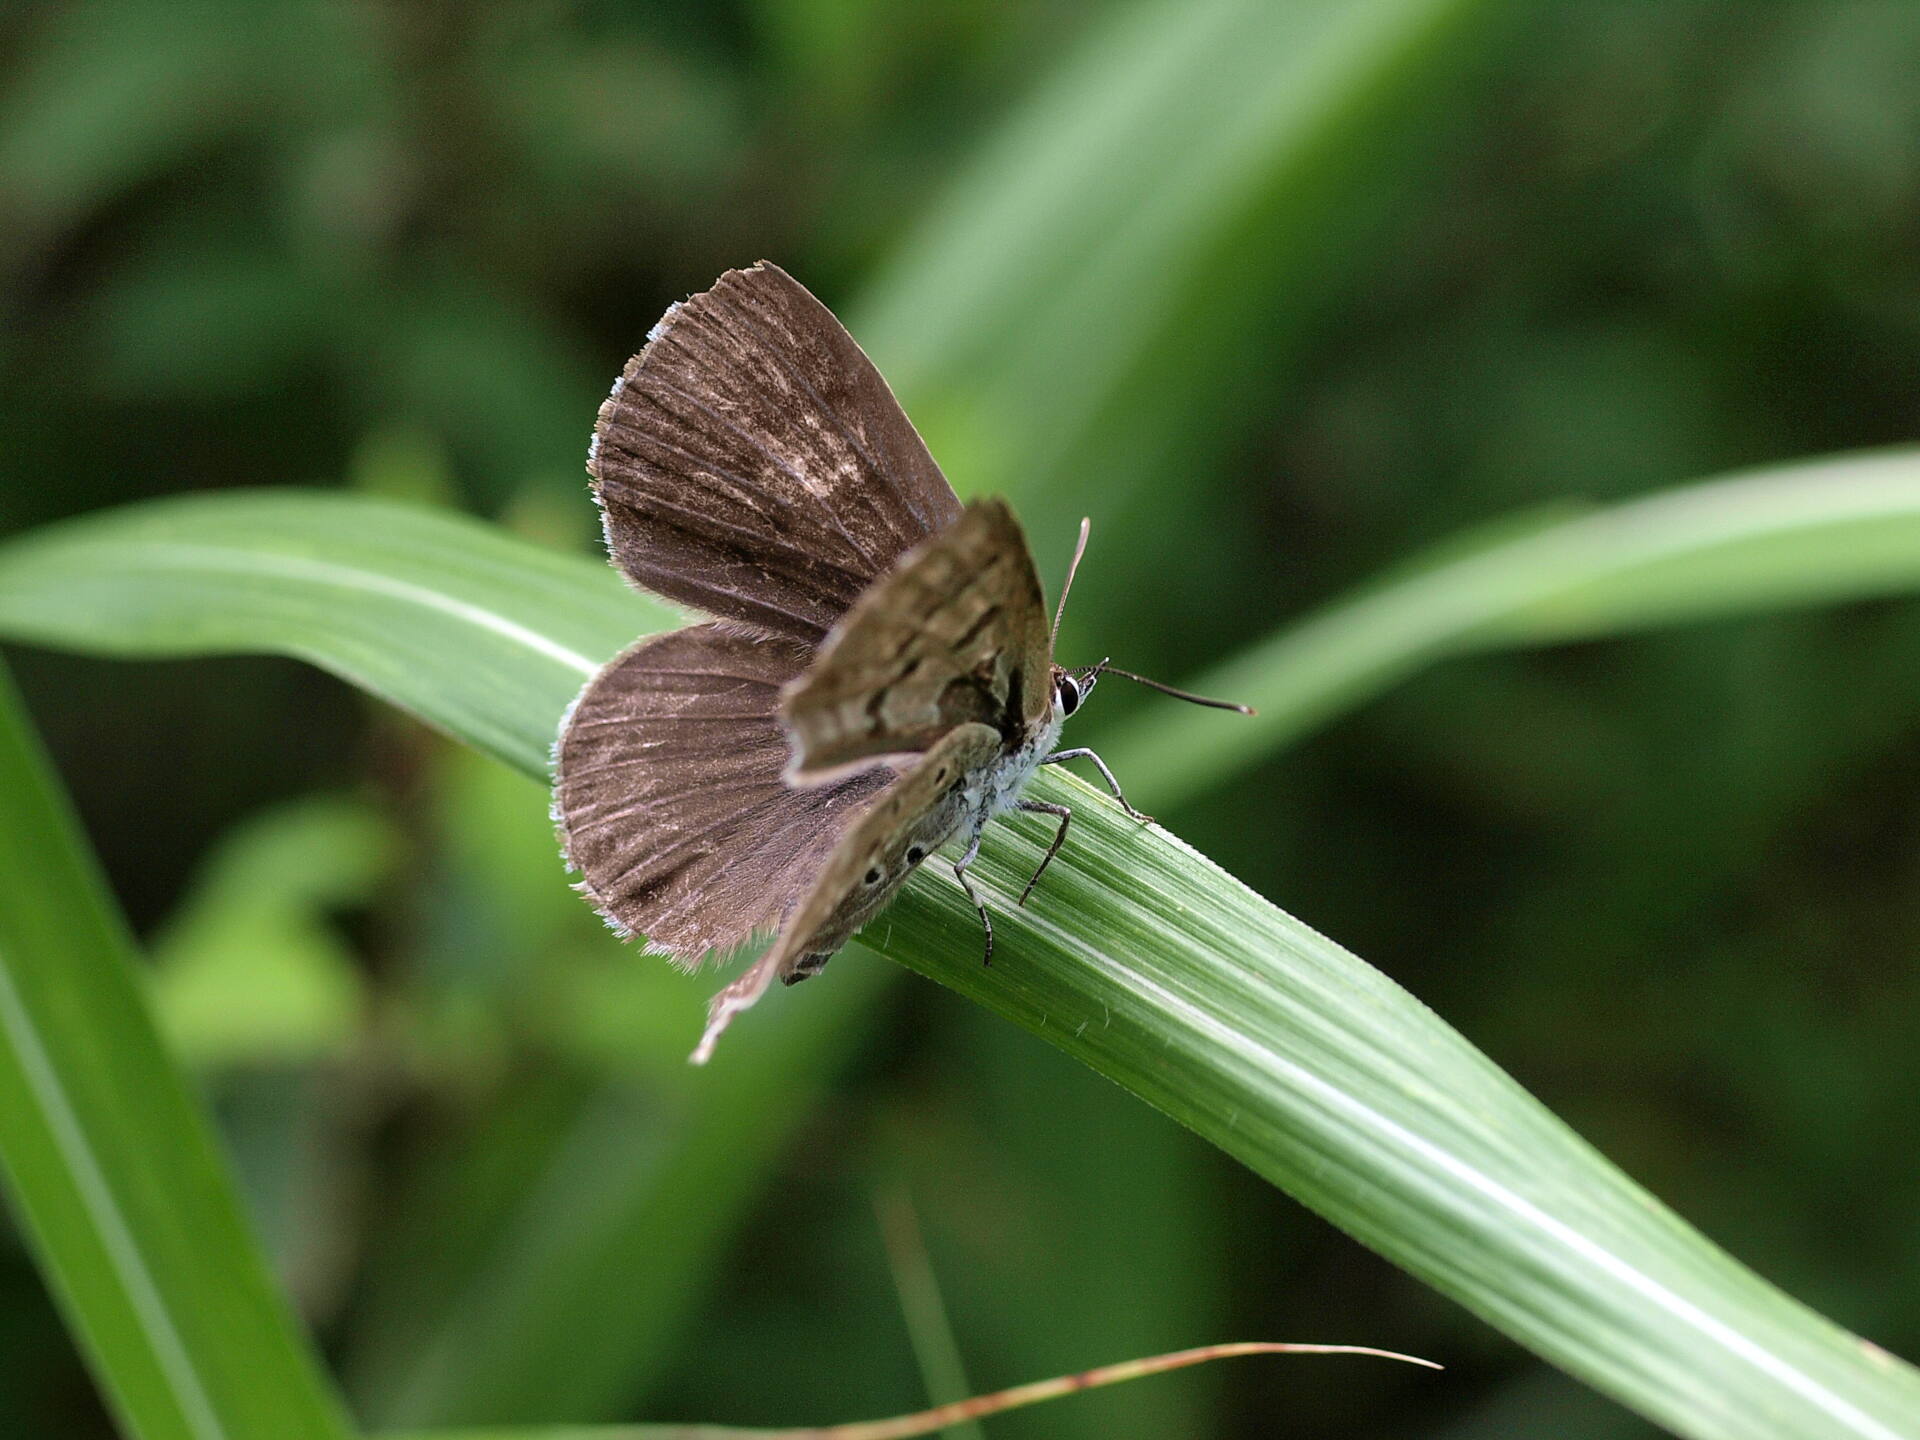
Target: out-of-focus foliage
[110,1162]
[1669,882]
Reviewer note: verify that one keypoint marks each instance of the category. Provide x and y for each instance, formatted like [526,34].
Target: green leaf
[330,579]
[1140,957]
[109,1161]
[1809,533]
[1188,161]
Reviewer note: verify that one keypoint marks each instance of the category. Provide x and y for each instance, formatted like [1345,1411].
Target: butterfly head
[1071,688]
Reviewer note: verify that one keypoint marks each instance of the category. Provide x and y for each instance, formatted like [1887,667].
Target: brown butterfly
[878,681]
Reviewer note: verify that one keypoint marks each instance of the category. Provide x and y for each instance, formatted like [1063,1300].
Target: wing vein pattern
[753,464]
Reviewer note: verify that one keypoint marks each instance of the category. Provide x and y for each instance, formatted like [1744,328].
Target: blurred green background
[1531,253]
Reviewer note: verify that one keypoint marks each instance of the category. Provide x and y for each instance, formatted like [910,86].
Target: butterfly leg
[1105,774]
[1042,807]
[960,874]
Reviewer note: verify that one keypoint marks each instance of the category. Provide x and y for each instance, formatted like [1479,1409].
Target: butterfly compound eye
[1067,694]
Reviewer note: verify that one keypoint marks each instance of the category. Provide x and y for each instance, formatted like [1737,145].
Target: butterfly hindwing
[956,635]
[751,461]
[668,788]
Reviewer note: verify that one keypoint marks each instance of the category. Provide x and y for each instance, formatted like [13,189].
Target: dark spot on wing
[646,891]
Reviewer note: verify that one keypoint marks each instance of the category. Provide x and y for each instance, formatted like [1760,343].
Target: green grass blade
[1187,164]
[330,578]
[923,1308]
[110,1164]
[1166,975]
[1150,964]
[1811,533]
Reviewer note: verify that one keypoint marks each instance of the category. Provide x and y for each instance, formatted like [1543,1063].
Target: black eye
[1068,694]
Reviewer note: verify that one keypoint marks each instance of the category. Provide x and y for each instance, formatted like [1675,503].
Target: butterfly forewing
[752,462]
[956,635]
[669,791]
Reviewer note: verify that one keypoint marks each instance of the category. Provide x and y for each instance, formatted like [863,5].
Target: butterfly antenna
[1060,611]
[1103,668]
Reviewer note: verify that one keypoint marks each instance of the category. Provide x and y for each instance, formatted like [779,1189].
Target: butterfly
[877,681]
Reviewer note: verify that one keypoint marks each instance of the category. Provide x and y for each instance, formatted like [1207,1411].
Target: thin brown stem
[925,1422]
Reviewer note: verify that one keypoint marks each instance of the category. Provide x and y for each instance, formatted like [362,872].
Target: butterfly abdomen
[807,966]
